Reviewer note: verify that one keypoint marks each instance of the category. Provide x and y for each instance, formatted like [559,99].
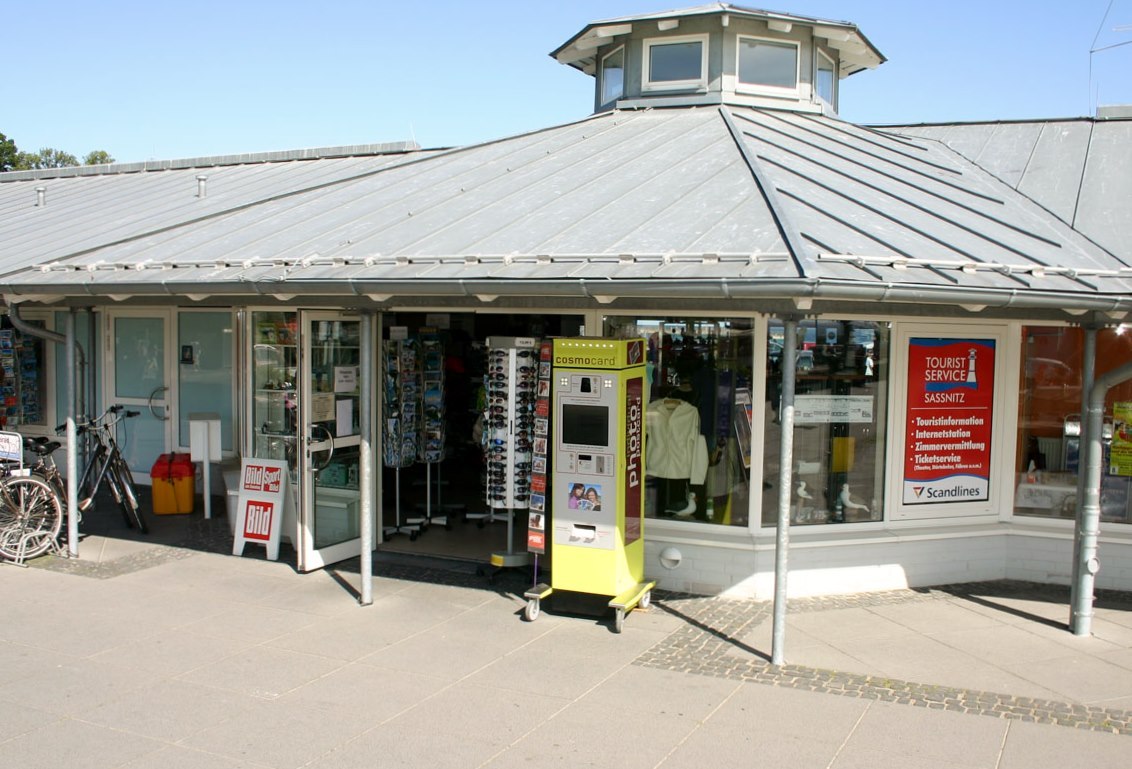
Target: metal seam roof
[676,197]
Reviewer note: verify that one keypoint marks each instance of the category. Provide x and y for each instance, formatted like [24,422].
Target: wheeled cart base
[638,595]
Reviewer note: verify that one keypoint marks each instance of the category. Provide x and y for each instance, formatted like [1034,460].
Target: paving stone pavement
[709,640]
[714,627]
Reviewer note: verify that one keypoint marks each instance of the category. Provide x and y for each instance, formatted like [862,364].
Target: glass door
[329,460]
[139,379]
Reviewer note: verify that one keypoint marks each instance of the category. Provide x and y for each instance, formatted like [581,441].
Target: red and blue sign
[947,452]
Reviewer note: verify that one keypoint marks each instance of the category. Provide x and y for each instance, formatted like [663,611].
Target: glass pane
[613,76]
[766,63]
[23,376]
[676,61]
[841,384]
[275,399]
[139,357]
[1049,423]
[87,361]
[336,516]
[825,80]
[206,376]
[335,407]
[698,436]
[334,377]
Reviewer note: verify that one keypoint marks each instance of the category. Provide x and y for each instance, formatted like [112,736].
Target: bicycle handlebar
[82,424]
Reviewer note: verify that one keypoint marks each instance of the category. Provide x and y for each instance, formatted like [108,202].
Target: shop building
[942,283]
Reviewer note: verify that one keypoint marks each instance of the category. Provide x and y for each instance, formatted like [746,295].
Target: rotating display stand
[508,436]
[401,391]
[431,446]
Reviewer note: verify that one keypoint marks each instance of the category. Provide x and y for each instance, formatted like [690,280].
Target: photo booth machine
[596,495]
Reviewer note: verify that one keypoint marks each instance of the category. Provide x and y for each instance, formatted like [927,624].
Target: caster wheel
[413,536]
[479,524]
[646,599]
[619,621]
[532,610]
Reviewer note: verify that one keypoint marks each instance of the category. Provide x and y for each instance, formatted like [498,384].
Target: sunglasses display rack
[401,393]
[510,383]
[430,449]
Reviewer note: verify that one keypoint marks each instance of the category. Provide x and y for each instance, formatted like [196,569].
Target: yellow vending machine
[596,494]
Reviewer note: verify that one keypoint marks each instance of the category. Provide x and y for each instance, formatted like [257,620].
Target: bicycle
[30,516]
[107,463]
[45,467]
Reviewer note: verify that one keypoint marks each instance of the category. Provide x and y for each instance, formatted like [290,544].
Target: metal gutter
[609,289]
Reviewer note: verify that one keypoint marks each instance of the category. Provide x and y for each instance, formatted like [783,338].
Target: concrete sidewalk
[171,657]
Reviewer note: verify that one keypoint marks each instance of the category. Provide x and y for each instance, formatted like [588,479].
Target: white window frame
[601,71]
[833,67]
[647,84]
[768,90]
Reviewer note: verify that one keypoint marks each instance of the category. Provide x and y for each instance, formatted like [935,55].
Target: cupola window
[675,63]
[826,80]
[613,76]
[768,65]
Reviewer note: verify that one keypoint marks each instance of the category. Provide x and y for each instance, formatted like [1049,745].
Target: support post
[786,458]
[72,439]
[366,474]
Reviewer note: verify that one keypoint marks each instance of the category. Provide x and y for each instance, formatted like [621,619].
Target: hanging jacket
[674,447]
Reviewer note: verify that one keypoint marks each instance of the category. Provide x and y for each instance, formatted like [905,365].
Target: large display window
[840,421]
[698,418]
[1048,458]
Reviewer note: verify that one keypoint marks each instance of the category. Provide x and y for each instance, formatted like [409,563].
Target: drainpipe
[1089,516]
[785,486]
[72,464]
[366,474]
[1088,375]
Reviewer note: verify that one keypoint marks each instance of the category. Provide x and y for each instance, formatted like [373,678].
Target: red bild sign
[265,479]
[257,522]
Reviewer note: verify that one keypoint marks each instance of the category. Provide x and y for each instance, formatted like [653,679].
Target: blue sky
[146,79]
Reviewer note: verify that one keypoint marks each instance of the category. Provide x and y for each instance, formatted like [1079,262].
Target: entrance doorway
[138,378]
[329,434]
[448,484]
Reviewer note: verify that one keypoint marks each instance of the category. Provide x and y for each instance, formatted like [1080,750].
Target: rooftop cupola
[718,53]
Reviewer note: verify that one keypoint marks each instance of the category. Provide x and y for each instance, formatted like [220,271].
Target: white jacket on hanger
[674,447]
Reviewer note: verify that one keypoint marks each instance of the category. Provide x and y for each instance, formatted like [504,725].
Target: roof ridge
[210,161]
[791,237]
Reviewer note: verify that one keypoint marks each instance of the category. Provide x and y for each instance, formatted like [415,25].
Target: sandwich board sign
[265,499]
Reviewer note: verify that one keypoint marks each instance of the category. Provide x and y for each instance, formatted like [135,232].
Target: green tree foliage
[11,159]
[48,157]
[97,158]
[8,153]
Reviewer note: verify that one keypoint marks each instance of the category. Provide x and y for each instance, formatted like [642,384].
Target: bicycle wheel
[128,494]
[30,517]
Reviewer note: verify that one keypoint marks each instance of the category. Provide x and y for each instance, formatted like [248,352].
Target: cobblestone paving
[710,640]
[707,645]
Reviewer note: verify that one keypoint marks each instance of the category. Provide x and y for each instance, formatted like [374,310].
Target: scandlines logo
[918,491]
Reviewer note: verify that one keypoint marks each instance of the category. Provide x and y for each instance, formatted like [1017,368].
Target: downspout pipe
[72,462]
[1088,378]
[785,487]
[1087,564]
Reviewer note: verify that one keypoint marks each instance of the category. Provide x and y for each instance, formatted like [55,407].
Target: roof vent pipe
[40,197]
[202,182]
